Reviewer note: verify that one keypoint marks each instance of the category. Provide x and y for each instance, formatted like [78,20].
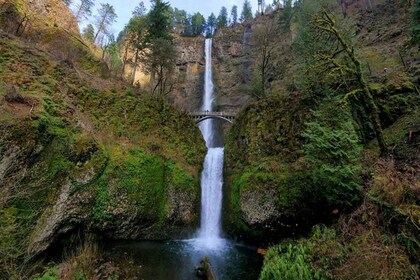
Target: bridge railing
[213,113]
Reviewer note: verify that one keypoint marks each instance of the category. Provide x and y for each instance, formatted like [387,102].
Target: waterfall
[212,175]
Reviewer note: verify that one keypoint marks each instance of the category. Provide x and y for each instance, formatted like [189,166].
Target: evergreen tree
[415,17]
[159,19]
[67,2]
[222,19]
[181,20]
[211,24]
[234,14]
[106,16]
[89,32]
[84,9]
[246,11]
[137,30]
[287,14]
[161,58]
[139,10]
[334,154]
[198,24]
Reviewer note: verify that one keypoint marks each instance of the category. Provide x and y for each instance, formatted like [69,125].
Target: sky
[124,8]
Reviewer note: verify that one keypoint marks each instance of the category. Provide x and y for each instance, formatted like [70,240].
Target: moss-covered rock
[77,155]
[266,180]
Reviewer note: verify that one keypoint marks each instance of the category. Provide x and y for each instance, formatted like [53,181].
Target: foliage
[196,25]
[234,14]
[89,33]
[106,16]
[294,260]
[325,45]
[265,49]
[246,11]
[222,19]
[84,9]
[211,25]
[72,131]
[160,62]
[50,274]
[334,154]
[287,15]
[415,18]
[159,21]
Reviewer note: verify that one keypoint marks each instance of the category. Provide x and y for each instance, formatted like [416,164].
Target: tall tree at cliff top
[246,11]
[234,14]
[329,63]
[159,21]
[211,24]
[84,9]
[198,24]
[136,34]
[222,19]
[161,58]
[106,16]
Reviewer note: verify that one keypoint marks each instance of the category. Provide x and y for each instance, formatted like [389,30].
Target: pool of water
[177,259]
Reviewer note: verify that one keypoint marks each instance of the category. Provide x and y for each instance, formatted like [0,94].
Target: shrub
[334,154]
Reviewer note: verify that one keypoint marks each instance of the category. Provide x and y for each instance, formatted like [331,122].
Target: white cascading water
[212,175]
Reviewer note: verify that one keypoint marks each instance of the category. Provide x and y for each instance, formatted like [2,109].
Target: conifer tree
[222,19]
[89,32]
[84,9]
[234,14]
[415,17]
[106,16]
[246,11]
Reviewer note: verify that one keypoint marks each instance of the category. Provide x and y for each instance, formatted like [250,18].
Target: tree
[180,20]
[234,14]
[67,2]
[89,32]
[222,19]
[211,24]
[159,21]
[139,10]
[160,63]
[198,24]
[246,11]
[136,37]
[106,16]
[287,15]
[333,153]
[264,42]
[326,42]
[415,25]
[84,9]
[161,55]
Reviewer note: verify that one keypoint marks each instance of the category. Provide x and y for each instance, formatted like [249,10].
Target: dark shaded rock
[13,95]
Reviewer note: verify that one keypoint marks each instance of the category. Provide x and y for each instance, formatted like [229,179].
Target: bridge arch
[198,117]
[199,120]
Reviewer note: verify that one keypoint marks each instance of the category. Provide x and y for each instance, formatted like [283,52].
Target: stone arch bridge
[201,116]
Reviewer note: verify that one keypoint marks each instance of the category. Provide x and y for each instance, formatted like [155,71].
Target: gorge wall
[80,154]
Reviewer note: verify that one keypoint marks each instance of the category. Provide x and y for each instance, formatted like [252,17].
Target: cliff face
[189,74]
[232,66]
[188,77]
